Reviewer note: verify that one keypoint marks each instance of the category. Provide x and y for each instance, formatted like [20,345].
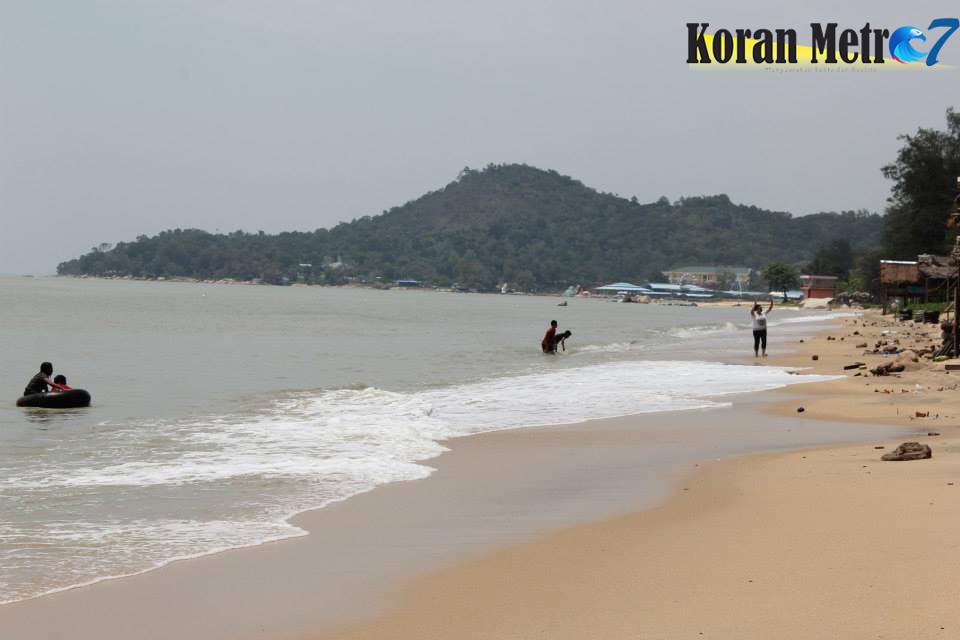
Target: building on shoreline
[818,286]
[926,279]
[704,276]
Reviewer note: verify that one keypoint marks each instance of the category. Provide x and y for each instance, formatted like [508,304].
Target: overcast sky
[127,117]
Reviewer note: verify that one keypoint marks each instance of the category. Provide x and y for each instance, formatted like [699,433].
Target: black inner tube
[56,400]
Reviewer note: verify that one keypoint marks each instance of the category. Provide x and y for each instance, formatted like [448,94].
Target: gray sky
[127,117]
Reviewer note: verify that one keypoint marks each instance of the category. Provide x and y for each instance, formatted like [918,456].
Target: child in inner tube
[61,381]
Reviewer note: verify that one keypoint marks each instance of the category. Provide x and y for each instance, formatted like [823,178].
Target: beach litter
[887,368]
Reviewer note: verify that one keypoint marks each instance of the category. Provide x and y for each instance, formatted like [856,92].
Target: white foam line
[298,532]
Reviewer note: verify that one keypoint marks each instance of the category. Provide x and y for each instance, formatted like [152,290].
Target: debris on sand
[909,451]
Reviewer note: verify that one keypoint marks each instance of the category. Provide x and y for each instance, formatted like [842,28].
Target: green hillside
[537,230]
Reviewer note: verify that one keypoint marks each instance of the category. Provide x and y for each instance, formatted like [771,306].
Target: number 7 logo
[952,24]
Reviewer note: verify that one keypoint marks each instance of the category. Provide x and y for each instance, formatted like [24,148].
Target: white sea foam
[377,434]
[776,319]
[705,330]
[821,317]
[612,347]
[306,450]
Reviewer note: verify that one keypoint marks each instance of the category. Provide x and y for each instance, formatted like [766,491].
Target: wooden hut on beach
[926,279]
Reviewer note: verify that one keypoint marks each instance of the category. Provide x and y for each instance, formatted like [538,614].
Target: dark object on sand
[57,400]
[887,369]
[814,357]
[800,409]
[855,365]
[909,451]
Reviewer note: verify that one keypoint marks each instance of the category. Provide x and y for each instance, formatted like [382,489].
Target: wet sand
[489,492]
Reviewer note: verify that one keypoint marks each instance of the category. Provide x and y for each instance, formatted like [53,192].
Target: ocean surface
[219,411]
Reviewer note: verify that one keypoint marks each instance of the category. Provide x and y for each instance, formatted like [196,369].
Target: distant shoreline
[253,283]
[723,302]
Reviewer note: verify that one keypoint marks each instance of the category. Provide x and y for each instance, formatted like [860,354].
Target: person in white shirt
[760,328]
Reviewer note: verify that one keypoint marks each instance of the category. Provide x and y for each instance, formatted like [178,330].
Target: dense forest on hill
[535,229]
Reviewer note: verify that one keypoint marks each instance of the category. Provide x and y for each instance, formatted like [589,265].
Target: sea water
[219,411]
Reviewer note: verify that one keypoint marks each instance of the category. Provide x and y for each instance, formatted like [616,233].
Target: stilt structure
[953,221]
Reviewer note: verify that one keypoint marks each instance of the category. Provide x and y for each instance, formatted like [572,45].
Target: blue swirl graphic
[900,47]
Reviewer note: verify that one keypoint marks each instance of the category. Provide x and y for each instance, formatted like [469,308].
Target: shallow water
[220,410]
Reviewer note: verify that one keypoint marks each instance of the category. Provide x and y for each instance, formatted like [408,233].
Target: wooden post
[955,255]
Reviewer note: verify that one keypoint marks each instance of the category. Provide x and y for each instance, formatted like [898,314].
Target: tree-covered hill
[535,229]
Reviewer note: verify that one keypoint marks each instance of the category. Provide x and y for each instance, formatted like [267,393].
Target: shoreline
[360,550]
[52,581]
[29,618]
[822,542]
[722,302]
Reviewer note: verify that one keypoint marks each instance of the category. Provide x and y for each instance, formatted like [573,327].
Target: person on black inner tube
[41,382]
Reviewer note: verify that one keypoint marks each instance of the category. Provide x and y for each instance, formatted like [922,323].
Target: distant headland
[535,229]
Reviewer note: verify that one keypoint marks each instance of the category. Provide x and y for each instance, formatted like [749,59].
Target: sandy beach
[359,551]
[823,543]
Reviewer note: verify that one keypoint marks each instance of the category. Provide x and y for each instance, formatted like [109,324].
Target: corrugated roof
[675,287]
[701,269]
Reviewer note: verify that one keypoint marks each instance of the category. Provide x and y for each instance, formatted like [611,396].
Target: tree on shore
[781,277]
[833,259]
[924,182]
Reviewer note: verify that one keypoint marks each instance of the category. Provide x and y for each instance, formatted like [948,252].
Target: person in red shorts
[549,342]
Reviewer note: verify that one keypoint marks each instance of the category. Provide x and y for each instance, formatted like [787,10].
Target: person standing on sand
[760,328]
[549,342]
